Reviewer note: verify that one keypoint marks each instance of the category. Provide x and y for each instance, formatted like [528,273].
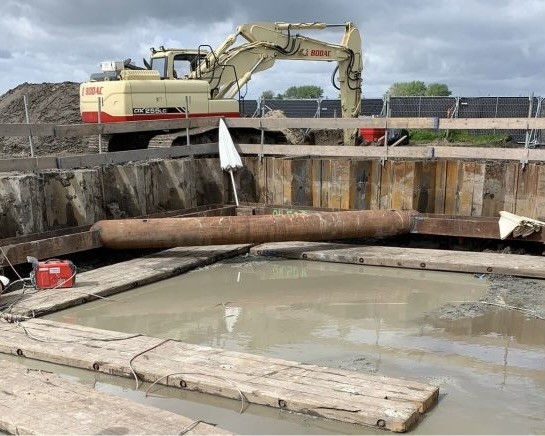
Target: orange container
[55,273]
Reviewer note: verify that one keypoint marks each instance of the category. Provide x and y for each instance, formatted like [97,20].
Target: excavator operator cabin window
[159,64]
[182,67]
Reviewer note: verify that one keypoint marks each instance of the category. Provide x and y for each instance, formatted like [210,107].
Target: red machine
[54,273]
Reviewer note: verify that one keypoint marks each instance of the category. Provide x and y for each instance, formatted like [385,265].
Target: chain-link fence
[440,107]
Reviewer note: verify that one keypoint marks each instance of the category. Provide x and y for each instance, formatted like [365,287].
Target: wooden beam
[412,258]
[39,402]
[353,397]
[50,247]
[414,152]
[73,130]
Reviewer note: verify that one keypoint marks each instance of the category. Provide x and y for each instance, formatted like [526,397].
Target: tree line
[398,89]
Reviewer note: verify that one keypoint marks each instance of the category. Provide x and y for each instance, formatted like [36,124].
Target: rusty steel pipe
[174,232]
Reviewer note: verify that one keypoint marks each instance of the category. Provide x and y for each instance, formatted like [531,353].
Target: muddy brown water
[490,369]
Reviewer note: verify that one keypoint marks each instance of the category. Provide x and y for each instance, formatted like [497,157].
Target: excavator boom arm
[228,68]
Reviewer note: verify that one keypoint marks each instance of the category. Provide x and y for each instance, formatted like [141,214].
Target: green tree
[307,91]
[267,95]
[438,90]
[417,87]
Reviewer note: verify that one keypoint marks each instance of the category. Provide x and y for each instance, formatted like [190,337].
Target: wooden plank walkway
[414,258]
[336,394]
[37,402]
[120,277]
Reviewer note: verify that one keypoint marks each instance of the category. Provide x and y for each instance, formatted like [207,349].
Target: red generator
[55,273]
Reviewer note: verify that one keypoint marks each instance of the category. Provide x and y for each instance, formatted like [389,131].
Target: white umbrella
[229,157]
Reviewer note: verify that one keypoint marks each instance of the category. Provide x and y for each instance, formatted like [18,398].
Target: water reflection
[357,317]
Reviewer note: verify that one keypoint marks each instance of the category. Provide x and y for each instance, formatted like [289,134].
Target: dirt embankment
[56,103]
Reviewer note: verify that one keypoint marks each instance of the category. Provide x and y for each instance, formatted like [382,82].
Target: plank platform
[336,394]
[414,258]
[37,402]
[120,277]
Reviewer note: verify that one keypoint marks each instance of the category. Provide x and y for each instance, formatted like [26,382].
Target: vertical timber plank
[301,189]
[376,184]
[424,188]
[386,185]
[286,181]
[360,184]
[511,176]
[397,187]
[316,176]
[493,189]
[540,195]
[440,187]
[451,188]
[478,189]
[527,190]
[278,181]
[340,175]
[326,183]
[466,188]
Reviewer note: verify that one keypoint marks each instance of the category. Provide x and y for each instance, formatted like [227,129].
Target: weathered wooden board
[336,394]
[301,193]
[37,402]
[424,187]
[440,186]
[59,131]
[414,258]
[119,277]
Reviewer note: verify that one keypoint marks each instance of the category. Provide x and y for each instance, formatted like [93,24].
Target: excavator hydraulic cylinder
[255,229]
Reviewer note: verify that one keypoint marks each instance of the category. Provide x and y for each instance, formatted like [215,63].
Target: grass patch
[458,136]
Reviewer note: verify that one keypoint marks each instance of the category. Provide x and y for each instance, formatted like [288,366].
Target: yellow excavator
[203,82]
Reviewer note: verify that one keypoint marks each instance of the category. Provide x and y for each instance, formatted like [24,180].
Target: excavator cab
[175,63]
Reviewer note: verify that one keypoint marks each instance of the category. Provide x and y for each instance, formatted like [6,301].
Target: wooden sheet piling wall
[451,187]
[55,199]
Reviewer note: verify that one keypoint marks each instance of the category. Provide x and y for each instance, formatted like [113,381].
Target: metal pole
[496,111]
[530,109]
[262,114]
[30,142]
[99,125]
[172,232]
[187,116]
[234,187]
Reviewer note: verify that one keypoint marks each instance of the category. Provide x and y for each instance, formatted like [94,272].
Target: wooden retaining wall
[452,187]
[54,199]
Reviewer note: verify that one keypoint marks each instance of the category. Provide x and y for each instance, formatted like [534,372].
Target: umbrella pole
[234,186]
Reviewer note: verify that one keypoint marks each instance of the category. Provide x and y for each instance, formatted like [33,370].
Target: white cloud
[491,47]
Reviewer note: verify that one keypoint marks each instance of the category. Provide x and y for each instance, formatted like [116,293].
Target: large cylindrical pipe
[174,232]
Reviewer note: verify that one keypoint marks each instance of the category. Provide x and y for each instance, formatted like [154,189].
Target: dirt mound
[307,136]
[56,103]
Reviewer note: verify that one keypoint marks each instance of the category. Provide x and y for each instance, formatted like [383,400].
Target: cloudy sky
[481,47]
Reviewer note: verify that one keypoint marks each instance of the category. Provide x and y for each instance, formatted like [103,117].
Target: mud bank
[506,293]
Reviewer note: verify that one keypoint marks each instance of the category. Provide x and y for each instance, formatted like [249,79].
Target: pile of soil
[305,136]
[56,103]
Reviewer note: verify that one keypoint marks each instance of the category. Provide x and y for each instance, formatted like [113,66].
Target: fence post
[186,117]
[530,109]
[30,142]
[99,122]
[261,115]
